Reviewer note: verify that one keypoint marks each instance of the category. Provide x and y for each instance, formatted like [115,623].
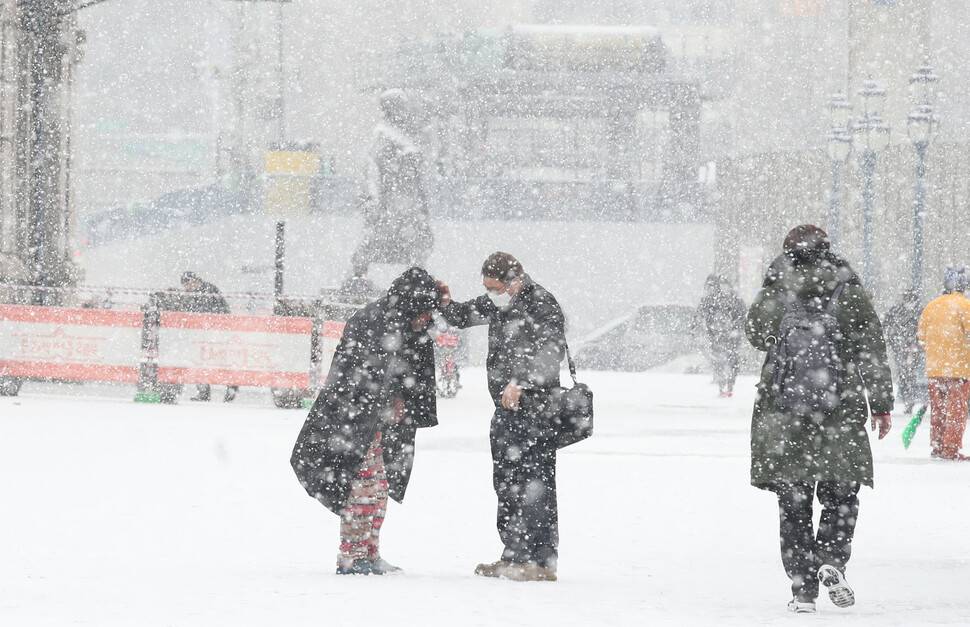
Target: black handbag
[571,410]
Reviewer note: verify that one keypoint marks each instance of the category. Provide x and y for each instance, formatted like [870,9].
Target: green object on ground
[148,397]
[306,403]
[910,431]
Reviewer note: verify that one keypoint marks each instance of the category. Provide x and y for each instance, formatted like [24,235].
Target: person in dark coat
[202,297]
[356,447]
[798,453]
[526,343]
[901,324]
[722,313]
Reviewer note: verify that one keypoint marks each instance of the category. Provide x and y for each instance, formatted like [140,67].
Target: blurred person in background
[722,313]
[199,296]
[901,324]
[944,331]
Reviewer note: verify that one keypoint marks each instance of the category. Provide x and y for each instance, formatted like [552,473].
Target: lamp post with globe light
[871,135]
[921,126]
[839,144]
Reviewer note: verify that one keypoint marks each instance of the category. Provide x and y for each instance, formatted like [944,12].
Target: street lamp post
[921,125]
[839,144]
[871,135]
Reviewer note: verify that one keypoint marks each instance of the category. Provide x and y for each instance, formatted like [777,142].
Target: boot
[494,569]
[357,567]
[230,394]
[528,571]
[380,566]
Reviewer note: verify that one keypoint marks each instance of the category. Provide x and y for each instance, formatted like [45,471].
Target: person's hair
[806,243]
[502,266]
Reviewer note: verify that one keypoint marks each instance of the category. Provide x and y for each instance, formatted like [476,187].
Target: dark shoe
[839,591]
[494,569]
[380,566]
[230,394]
[201,398]
[359,567]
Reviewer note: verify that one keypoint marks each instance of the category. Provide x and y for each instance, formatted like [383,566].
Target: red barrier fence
[161,350]
[234,350]
[69,344]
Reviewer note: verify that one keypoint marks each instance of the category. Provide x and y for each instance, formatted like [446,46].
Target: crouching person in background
[357,445]
[826,355]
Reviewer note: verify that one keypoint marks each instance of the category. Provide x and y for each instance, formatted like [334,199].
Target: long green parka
[823,446]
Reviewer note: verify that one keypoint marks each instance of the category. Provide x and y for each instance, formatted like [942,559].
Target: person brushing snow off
[356,447]
[526,343]
[826,355]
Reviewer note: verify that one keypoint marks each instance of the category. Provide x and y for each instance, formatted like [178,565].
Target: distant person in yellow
[944,332]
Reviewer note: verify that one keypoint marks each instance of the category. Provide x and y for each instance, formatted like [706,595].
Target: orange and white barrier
[70,344]
[328,338]
[234,350]
[241,350]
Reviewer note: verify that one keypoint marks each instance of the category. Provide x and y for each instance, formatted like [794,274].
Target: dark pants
[524,477]
[725,361]
[802,549]
[909,366]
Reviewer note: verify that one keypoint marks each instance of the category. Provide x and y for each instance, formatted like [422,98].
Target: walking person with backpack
[826,355]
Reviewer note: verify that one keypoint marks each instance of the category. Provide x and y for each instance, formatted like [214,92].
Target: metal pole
[868,172]
[279,261]
[919,210]
[281,79]
[834,203]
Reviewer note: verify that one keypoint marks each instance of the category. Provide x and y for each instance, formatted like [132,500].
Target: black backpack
[807,369]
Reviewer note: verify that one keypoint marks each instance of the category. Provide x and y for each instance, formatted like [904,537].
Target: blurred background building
[178,107]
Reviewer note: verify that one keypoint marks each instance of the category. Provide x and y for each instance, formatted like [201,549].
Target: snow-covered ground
[133,515]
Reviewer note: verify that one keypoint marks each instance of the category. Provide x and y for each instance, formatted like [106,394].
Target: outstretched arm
[472,313]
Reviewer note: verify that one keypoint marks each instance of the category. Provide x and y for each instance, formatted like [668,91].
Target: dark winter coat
[826,446]
[723,314]
[526,341]
[379,358]
[902,321]
[206,299]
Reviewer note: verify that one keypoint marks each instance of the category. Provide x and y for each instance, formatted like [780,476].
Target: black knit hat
[414,292]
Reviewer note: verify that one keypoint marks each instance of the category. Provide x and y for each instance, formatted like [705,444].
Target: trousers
[804,549]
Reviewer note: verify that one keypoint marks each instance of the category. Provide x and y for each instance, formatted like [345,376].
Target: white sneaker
[839,591]
[801,607]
